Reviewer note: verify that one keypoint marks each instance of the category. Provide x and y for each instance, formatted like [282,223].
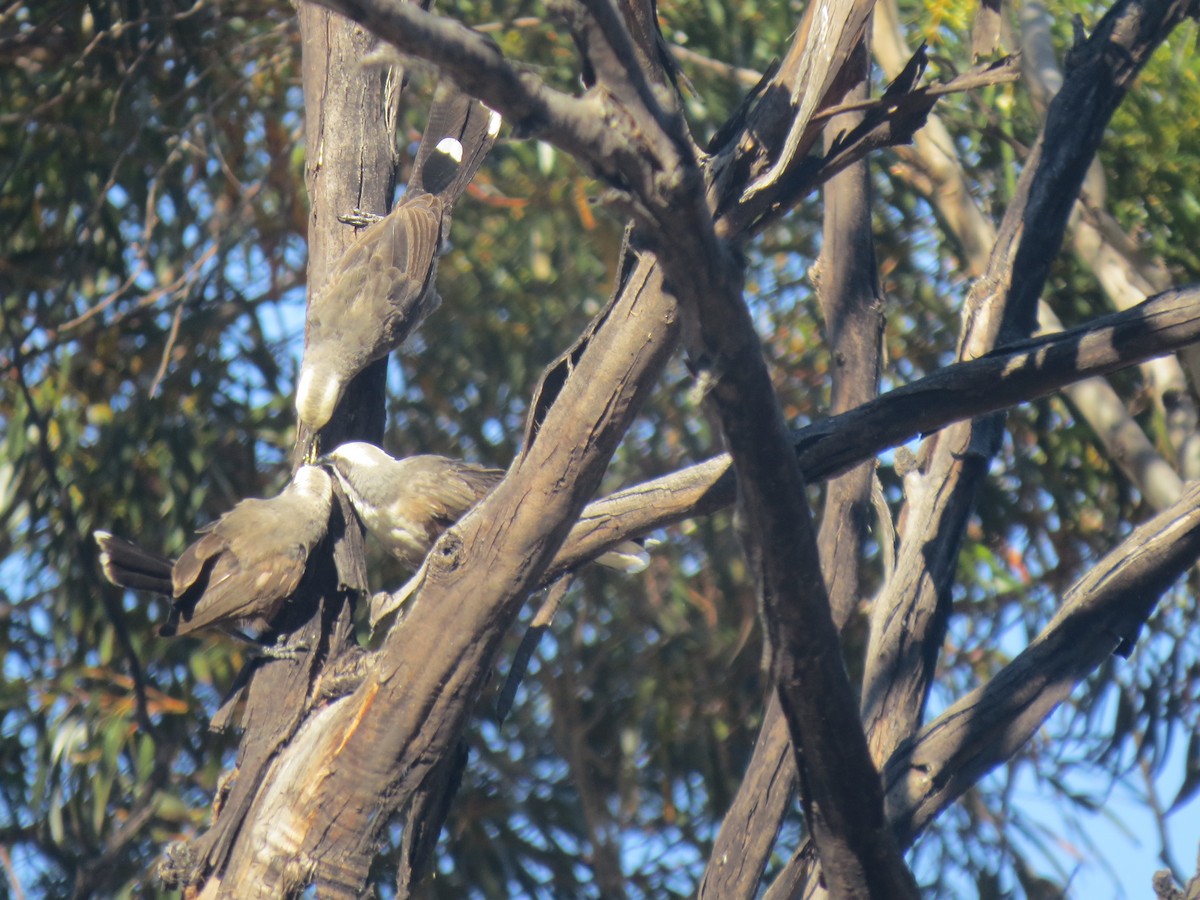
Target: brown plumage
[407,503]
[132,566]
[244,566]
[382,288]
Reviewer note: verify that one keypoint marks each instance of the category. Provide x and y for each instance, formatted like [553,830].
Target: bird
[407,503]
[243,568]
[382,288]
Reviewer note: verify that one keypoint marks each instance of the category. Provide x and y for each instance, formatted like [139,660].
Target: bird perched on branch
[407,503]
[382,288]
[243,568]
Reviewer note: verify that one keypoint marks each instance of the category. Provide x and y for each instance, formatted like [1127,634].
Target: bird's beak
[311,445]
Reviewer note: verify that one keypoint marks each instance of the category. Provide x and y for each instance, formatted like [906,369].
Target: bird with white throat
[243,568]
[382,287]
[407,503]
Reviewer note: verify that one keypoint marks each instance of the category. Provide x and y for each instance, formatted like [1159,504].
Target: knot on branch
[447,554]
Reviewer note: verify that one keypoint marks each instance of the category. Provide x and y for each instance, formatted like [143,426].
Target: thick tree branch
[891,121]
[751,825]
[840,789]
[841,794]
[828,34]
[620,63]
[704,275]
[350,128]
[592,128]
[852,305]
[1036,368]
[1100,243]
[474,62]
[839,786]
[383,739]
[986,727]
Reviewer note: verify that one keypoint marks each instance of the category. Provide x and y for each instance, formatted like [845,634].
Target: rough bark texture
[1097,242]
[750,826]
[351,119]
[382,740]
[851,302]
[350,122]
[1106,607]
[855,851]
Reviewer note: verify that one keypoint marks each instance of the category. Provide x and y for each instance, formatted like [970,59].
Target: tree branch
[1034,369]
[852,306]
[383,739]
[351,164]
[941,178]
[704,274]
[987,726]
[908,620]
[590,128]
[1098,242]
[473,61]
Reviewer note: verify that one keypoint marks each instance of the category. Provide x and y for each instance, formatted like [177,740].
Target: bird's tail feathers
[384,604]
[458,136]
[629,557]
[128,565]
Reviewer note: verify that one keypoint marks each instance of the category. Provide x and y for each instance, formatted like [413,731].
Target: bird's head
[312,481]
[318,392]
[357,465]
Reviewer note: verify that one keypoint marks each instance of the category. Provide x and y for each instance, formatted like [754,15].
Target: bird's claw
[358,218]
[282,650]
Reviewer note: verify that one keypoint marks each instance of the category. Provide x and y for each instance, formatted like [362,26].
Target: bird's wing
[189,568]
[408,257]
[239,589]
[449,488]
[208,569]
[406,239]
[385,279]
[248,561]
